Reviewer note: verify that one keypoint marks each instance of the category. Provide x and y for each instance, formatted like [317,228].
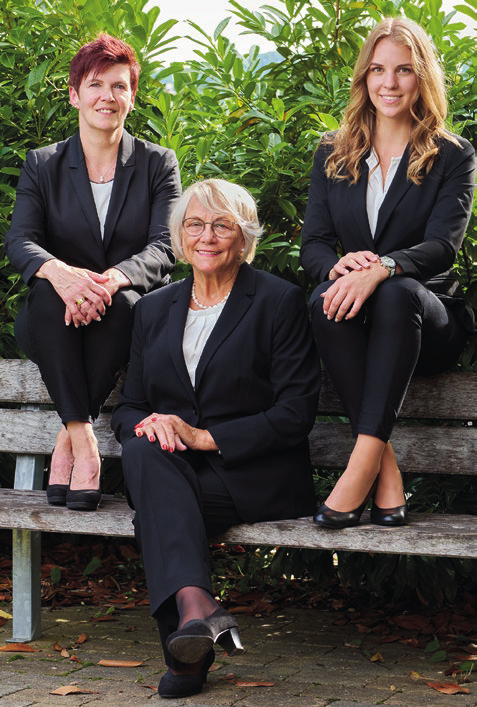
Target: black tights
[402,328]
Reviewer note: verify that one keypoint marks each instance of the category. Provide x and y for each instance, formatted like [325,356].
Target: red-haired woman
[394,188]
[89,235]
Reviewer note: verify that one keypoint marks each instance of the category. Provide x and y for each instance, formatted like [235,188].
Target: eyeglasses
[221,227]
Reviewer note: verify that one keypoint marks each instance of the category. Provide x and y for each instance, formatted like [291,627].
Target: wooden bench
[425,446]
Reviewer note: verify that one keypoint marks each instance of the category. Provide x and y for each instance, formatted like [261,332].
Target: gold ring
[80,301]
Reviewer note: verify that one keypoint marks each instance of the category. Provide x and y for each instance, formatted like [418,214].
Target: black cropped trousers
[79,366]
[180,501]
[401,329]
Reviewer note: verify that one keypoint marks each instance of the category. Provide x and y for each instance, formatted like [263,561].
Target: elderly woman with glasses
[213,418]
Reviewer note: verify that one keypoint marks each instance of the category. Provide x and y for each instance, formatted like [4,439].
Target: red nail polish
[171,449]
[152,438]
[164,446]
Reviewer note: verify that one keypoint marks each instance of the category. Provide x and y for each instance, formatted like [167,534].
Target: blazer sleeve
[294,374]
[150,266]
[25,242]
[319,239]
[446,225]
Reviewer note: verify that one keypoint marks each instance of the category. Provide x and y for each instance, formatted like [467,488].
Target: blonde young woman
[394,189]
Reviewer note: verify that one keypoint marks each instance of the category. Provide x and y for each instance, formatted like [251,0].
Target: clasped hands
[355,276]
[85,293]
[173,434]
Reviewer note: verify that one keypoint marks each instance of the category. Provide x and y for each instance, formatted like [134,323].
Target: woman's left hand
[345,297]
[173,433]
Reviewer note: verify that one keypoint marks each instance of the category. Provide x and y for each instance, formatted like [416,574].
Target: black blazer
[421,226]
[55,214]
[256,390]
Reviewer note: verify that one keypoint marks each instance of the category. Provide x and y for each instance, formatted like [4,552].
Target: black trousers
[179,501]
[402,328]
[80,367]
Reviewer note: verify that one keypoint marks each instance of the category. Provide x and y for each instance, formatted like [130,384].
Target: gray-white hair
[226,199]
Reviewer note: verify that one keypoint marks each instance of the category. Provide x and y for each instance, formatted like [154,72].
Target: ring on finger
[79,301]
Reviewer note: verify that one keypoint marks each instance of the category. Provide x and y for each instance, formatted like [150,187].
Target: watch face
[389,262]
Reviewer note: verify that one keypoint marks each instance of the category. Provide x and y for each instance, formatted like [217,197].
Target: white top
[375,192]
[198,327]
[102,195]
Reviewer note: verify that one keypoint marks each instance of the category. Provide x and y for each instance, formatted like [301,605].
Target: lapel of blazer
[122,176]
[80,179]
[357,202]
[239,301]
[397,190]
[177,320]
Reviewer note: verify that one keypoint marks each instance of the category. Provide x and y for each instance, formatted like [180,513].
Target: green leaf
[432,646]
[92,566]
[55,575]
[328,121]
[438,657]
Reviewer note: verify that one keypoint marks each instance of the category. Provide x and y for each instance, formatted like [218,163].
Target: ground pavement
[306,659]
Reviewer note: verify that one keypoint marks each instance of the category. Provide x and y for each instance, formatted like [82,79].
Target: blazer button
[194,410]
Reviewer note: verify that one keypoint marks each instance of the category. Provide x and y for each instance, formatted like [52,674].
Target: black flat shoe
[196,638]
[172,685]
[328,518]
[83,499]
[391,517]
[56,494]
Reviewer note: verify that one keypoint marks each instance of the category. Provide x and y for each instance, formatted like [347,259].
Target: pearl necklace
[207,306]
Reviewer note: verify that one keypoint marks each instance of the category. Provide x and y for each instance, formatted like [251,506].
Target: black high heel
[83,499]
[390,517]
[196,638]
[56,494]
[172,685]
[328,518]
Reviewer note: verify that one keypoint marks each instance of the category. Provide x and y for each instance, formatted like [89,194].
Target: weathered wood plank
[426,534]
[446,396]
[452,450]
[434,450]
[20,382]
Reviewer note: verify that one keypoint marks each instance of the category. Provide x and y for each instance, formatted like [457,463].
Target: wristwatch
[389,264]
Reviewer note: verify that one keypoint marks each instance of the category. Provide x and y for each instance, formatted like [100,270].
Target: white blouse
[198,327]
[102,196]
[375,192]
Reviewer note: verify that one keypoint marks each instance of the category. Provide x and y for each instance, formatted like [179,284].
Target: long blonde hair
[354,137]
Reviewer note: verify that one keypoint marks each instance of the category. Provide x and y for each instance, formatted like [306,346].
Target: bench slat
[449,396]
[426,534]
[419,449]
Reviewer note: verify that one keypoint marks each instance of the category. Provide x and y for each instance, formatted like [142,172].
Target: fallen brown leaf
[97,619]
[120,663]
[64,653]
[72,690]
[81,639]
[75,659]
[449,688]
[19,648]
[466,656]
[414,675]
[57,647]
[377,657]
[413,623]
[253,683]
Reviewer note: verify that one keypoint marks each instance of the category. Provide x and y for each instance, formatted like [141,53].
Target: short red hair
[99,55]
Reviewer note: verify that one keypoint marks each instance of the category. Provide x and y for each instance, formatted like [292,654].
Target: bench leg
[27,559]
[26,585]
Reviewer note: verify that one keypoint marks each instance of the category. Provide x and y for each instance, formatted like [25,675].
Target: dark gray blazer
[256,388]
[421,226]
[55,214]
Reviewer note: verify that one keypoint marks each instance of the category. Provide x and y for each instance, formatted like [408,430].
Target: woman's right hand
[352,261]
[80,289]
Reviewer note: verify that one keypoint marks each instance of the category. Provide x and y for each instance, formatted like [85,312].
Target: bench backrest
[421,443]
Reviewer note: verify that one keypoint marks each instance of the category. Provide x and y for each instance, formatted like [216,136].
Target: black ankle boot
[195,639]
